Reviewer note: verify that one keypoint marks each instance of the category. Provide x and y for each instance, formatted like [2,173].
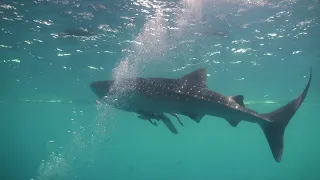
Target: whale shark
[190,96]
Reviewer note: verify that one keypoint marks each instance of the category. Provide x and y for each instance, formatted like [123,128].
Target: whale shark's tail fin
[274,130]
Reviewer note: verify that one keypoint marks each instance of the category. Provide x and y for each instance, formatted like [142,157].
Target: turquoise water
[52,129]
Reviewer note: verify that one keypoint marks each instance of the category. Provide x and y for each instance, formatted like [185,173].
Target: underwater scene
[160,89]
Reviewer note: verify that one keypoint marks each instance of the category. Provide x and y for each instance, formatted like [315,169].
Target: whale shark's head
[120,94]
[108,88]
[101,88]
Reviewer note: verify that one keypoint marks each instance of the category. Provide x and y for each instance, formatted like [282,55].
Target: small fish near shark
[190,96]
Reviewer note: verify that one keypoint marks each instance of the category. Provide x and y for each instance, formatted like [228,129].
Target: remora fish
[190,96]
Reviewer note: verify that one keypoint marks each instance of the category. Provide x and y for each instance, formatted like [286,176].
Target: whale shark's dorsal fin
[195,78]
[238,99]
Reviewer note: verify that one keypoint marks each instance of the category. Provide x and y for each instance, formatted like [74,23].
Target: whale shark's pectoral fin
[178,118]
[160,117]
[154,123]
[170,125]
[147,117]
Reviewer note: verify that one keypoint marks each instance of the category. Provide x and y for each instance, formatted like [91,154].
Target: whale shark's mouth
[101,88]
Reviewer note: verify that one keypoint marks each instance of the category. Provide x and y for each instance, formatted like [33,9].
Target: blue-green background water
[269,48]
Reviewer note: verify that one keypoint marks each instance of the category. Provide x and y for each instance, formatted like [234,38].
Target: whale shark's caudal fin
[274,130]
